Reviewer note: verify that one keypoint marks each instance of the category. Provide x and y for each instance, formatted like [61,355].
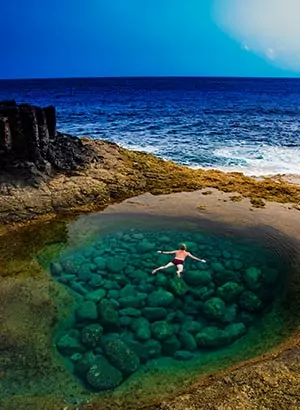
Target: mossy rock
[140,349]
[235,331]
[100,262]
[131,312]
[214,308]
[161,330]
[212,337]
[141,328]
[115,264]
[197,278]
[86,311]
[183,355]
[96,295]
[128,291]
[108,315]
[154,313]
[91,335]
[230,291]
[154,348]
[250,302]
[177,287]
[221,277]
[170,346]
[121,356]
[103,376]
[187,340]
[252,278]
[160,298]
[68,345]
[217,267]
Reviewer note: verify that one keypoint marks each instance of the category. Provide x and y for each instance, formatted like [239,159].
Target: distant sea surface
[232,124]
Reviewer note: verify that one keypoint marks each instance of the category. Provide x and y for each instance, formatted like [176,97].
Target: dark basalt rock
[29,142]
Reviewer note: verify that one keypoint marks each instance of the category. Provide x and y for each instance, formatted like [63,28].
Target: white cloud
[269,28]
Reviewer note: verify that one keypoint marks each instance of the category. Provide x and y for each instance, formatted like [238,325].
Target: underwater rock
[250,302]
[77,287]
[144,247]
[113,294]
[141,350]
[230,313]
[96,295]
[121,356]
[170,346]
[141,328]
[214,308]
[252,277]
[83,365]
[187,340]
[91,335]
[68,345]
[100,263]
[72,264]
[160,298]
[84,273]
[132,312]
[115,264]
[154,348]
[56,268]
[217,267]
[183,355]
[125,321]
[161,330]
[197,278]
[212,336]
[235,331]
[177,287]
[221,277]
[128,291]
[132,301]
[154,313]
[103,376]
[230,291]
[108,315]
[86,311]
[96,281]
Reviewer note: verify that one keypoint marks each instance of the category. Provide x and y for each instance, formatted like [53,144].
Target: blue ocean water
[232,124]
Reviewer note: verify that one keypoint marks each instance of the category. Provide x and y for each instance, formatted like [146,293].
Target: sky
[108,38]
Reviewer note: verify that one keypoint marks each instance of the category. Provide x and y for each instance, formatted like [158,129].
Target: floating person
[180,256]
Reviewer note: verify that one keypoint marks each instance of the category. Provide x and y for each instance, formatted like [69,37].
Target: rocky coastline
[46,174]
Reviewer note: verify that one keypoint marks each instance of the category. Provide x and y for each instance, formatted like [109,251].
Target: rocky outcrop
[29,141]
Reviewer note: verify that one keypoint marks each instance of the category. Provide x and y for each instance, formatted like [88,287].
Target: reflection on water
[127,327]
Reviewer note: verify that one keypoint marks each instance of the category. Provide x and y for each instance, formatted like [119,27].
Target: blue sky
[91,38]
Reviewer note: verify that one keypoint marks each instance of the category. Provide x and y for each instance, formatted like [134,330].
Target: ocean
[232,124]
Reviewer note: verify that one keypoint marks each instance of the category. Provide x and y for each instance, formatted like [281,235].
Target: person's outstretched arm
[166,252]
[196,259]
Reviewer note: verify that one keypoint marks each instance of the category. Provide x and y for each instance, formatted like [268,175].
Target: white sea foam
[150,149]
[258,161]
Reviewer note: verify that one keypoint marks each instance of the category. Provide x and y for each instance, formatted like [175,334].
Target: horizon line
[152,77]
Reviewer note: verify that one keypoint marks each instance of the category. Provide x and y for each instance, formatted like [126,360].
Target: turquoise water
[125,320]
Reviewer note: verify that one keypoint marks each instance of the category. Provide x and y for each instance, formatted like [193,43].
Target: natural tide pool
[128,334]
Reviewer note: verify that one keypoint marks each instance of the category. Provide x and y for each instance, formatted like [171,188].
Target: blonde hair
[183,247]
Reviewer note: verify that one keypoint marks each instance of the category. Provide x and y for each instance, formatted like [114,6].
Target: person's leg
[179,270]
[168,265]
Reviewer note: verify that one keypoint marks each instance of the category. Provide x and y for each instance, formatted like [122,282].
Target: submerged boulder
[103,376]
[214,308]
[121,356]
[108,315]
[91,335]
